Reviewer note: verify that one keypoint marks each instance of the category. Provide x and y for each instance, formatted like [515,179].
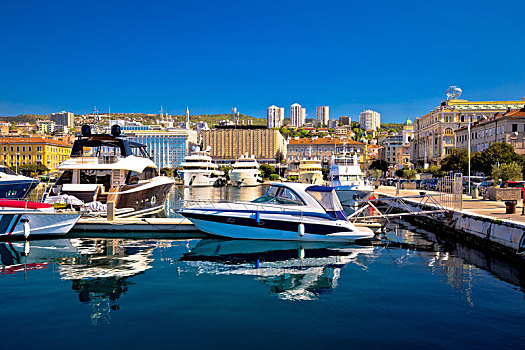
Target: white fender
[300,229]
[27,229]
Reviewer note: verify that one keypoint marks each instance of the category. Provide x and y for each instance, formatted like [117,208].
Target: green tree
[166,172]
[507,172]
[325,172]
[226,170]
[457,161]
[266,170]
[379,164]
[500,153]
[293,178]
[399,173]
[274,177]
[409,174]
[33,169]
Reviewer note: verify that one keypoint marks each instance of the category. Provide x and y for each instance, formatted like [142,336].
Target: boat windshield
[328,199]
[280,195]
[7,171]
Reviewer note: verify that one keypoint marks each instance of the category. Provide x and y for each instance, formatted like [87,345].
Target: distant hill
[391,126]
[25,118]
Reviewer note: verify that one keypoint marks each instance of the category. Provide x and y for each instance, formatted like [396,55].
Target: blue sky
[396,57]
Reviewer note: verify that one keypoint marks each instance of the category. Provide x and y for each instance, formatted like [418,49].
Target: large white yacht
[107,168]
[347,179]
[198,170]
[245,172]
[310,171]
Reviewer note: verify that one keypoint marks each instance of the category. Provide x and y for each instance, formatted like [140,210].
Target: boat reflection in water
[101,273]
[293,270]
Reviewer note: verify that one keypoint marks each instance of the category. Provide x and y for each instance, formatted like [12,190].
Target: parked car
[519,184]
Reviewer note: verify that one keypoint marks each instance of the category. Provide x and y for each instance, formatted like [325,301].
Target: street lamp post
[468,152]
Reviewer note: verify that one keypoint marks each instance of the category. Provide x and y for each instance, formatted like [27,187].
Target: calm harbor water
[413,290]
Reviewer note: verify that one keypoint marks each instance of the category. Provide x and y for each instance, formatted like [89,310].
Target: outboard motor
[115,130]
[85,130]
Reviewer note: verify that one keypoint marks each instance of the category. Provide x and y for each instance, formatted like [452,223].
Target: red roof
[324,141]
[21,140]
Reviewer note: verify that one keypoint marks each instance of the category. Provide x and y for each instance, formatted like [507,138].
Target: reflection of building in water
[101,272]
[292,270]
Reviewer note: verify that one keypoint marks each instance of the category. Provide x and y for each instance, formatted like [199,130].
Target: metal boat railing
[248,206]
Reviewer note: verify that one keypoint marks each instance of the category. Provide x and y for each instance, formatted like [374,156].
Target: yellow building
[22,151]
[434,133]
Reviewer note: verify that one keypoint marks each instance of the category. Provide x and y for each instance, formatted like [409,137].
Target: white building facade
[167,148]
[297,115]
[323,114]
[274,117]
[369,120]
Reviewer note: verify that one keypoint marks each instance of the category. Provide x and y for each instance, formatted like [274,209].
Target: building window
[514,127]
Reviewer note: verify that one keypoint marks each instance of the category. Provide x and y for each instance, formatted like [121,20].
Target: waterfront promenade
[473,206]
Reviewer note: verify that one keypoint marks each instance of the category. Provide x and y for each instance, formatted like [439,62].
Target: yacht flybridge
[245,172]
[198,170]
[108,168]
[347,179]
[288,211]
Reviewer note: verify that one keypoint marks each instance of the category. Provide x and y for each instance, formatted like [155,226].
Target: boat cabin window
[346,178]
[133,178]
[65,178]
[7,170]
[148,173]
[280,195]
[100,177]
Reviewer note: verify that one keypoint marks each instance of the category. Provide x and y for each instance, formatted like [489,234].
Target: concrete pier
[483,222]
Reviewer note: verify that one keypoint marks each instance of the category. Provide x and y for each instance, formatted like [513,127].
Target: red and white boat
[22,219]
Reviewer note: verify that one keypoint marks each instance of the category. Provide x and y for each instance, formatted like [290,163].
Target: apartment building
[322,148]
[228,143]
[370,120]
[322,115]
[274,117]
[506,127]
[297,115]
[63,118]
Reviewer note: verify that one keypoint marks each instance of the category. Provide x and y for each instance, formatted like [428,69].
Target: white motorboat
[198,170]
[23,219]
[288,211]
[310,171]
[108,168]
[245,172]
[14,186]
[347,179]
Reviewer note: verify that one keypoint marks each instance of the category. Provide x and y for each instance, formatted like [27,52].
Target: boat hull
[250,225]
[201,179]
[16,189]
[12,223]
[244,178]
[314,178]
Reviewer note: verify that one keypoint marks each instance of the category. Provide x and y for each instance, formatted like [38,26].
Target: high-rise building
[344,120]
[297,115]
[274,117]
[323,114]
[369,120]
[63,118]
